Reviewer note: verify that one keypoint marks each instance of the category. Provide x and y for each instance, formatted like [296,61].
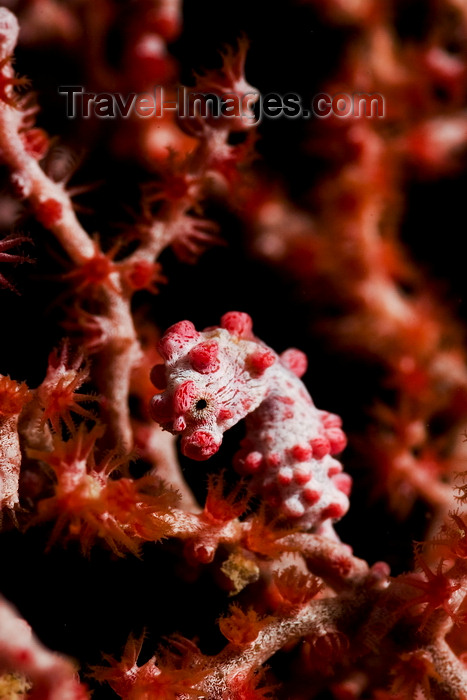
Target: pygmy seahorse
[212,379]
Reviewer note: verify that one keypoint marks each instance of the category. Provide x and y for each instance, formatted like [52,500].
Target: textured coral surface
[274,506]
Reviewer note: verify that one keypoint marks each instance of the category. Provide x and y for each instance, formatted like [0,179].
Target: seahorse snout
[201,444]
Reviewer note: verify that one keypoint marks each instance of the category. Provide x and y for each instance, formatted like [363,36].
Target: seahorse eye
[201,404]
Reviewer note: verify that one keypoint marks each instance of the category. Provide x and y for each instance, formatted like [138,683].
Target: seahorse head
[210,381]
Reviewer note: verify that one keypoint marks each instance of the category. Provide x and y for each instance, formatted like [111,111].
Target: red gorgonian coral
[303,162]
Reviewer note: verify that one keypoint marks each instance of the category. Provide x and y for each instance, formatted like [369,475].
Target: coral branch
[52,676]
[13,397]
